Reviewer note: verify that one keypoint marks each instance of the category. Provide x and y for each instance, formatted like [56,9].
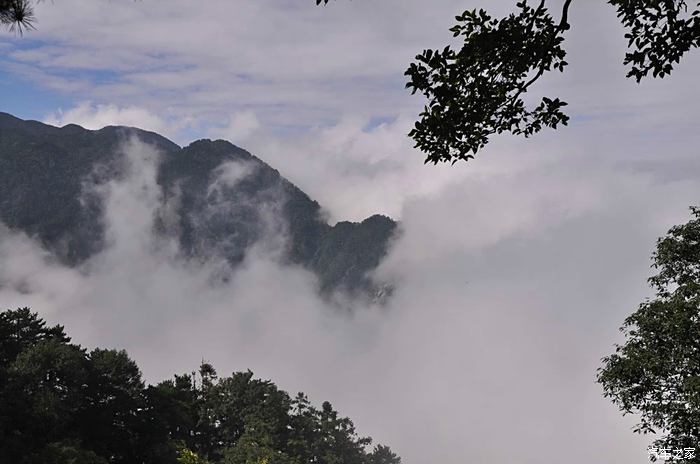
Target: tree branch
[564,23]
[563,26]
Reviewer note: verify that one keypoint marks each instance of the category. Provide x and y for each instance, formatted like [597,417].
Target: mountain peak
[225,198]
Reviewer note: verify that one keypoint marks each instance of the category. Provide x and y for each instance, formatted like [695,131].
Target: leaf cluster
[656,372]
[659,33]
[478,90]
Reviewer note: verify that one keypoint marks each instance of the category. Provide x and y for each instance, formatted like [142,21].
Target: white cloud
[355,173]
[229,174]
[298,84]
[295,65]
[241,126]
[96,116]
[511,287]
[515,269]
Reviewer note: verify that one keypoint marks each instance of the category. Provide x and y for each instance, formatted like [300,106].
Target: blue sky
[277,74]
[553,233]
[25,102]
[28,100]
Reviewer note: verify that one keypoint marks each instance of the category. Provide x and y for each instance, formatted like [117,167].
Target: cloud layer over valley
[486,351]
[512,272]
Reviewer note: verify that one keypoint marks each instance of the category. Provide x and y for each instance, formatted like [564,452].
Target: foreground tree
[16,15]
[60,404]
[479,90]
[656,372]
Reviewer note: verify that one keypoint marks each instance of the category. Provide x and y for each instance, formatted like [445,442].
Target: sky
[513,270]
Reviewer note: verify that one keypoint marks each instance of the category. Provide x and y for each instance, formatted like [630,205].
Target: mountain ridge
[220,191]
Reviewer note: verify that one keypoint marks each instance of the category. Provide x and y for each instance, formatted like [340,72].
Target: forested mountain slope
[223,200]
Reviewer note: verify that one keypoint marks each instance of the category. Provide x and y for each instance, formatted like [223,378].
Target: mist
[509,288]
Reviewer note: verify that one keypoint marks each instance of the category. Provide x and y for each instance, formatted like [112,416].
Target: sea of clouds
[513,272]
[509,290]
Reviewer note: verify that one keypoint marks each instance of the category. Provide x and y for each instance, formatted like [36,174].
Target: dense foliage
[478,90]
[17,15]
[62,404]
[659,34]
[656,372]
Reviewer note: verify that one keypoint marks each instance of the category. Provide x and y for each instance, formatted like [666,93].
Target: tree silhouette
[478,90]
[17,15]
[60,404]
[656,372]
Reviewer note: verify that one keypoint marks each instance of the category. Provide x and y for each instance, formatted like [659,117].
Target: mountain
[220,199]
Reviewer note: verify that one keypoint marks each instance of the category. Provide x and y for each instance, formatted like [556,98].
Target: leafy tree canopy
[61,404]
[478,90]
[656,372]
